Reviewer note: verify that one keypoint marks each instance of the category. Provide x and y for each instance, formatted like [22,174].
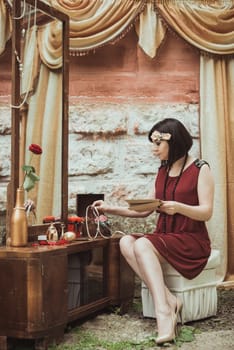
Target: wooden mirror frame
[15,115]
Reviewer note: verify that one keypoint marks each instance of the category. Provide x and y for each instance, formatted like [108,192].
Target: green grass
[84,340]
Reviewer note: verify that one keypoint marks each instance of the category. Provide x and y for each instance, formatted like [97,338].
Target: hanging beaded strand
[173,194]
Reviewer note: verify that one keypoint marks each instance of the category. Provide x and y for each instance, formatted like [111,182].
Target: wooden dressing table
[35,287]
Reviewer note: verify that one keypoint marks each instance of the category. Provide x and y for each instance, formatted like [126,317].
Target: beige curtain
[207,25]
[50,44]
[213,104]
[41,44]
[42,88]
[96,23]
[217,111]
[31,62]
[229,125]
[150,30]
[5,26]
[44,127]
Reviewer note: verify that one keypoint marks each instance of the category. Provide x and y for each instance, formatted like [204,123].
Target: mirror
[40,50]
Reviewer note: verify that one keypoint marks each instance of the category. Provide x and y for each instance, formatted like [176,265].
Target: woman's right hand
[104,208]
[100,206]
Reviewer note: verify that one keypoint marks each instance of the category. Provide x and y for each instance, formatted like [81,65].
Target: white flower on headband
[160,136]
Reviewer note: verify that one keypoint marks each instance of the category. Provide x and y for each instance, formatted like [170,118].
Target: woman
[186,189]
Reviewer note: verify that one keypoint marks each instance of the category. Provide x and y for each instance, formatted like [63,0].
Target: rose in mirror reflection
[30,177]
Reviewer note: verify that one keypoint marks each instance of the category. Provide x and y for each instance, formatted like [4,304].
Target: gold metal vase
[19,224]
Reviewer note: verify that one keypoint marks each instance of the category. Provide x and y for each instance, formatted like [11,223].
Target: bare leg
[127,249]
[146,262]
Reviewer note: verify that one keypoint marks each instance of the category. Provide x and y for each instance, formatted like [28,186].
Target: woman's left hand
[169,207]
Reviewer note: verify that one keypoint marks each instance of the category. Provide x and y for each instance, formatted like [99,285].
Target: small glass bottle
[52,233]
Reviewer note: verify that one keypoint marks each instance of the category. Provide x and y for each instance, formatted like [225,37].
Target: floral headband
[160,136]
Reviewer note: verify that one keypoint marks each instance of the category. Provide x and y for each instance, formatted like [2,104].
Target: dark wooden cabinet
[34,297]
[45,287]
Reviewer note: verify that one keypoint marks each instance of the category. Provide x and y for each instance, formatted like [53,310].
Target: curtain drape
[229,126]
[41,44]
[50,44]
[150,30]
[213,105]
[96,23]
[207,25]
[42,87]
[217,121]
[31,62]
[44,127]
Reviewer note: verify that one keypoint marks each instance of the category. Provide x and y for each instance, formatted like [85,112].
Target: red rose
[34,148]
[30,177]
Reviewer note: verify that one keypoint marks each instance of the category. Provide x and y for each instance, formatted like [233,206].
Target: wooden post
[15,119]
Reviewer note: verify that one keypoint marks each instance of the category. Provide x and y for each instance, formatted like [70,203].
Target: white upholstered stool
[199,295]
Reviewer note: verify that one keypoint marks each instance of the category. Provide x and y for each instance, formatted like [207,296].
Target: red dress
[182,241]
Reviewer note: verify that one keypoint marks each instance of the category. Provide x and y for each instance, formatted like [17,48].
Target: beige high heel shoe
[178,310]
[166,338]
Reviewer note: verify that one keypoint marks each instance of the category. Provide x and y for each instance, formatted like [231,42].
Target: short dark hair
[181,141]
